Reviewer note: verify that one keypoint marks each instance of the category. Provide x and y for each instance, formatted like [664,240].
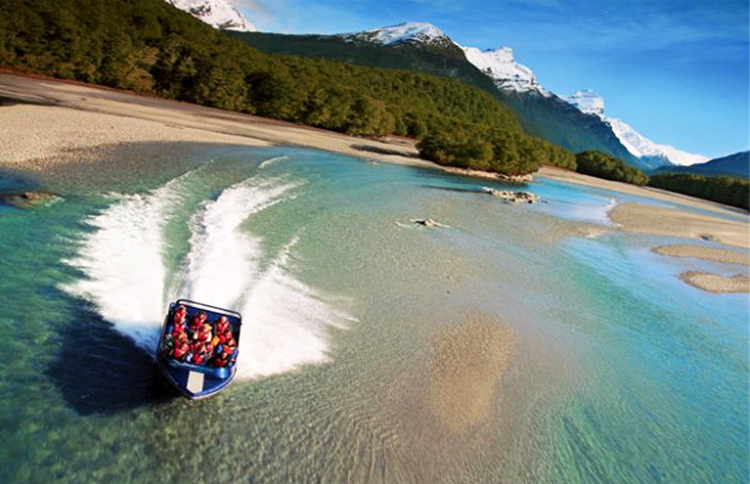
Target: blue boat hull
[193,381]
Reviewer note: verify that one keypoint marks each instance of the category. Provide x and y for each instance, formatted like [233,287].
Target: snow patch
[587,101]
[505,72]
[408,32]
[220,14]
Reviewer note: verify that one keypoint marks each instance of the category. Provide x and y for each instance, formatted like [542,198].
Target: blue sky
[675,70]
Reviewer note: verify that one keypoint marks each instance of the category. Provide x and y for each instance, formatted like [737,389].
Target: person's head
[181,309]
[202,316]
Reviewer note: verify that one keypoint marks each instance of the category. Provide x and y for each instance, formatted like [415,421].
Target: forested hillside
[149,46]
[442,61]
[723,189]
[601,165]
[549,118]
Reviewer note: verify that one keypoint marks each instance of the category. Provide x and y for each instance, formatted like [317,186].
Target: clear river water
[514,343]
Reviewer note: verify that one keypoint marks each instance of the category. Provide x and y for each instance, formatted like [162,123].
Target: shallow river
[515,343]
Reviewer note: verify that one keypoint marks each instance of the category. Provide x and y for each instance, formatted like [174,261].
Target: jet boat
[199,373]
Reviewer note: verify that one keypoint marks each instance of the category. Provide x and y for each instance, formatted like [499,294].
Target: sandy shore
[717,283]
[648,192]
[672,222]
[46,122]
[704,253]
[706,281]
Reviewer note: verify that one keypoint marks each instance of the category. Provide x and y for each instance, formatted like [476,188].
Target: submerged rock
[511,196]
[426,222]
[28,199]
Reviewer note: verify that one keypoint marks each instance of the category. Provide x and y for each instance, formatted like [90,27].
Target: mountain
[737,164]
[423,47]
[505,72]
[419,33]
[543,113]
[220,14]
[648,151]
[416,50]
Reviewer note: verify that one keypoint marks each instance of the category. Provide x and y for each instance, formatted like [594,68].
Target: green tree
[598,164]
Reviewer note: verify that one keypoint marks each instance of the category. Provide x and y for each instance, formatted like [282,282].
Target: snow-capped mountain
[587,101]
[423,47]
[409,32]
[591,103]
[505,72]
[220,14]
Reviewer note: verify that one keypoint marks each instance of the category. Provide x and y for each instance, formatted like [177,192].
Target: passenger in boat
[181,346]
[177,326]
[223,330]
[203,334]
[197,359]
[197,322]
[223,325]
[178,329]
[223,356]
[201,352]
[225,350]
[178,320]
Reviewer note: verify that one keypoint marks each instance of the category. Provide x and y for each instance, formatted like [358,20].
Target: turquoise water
[619,372]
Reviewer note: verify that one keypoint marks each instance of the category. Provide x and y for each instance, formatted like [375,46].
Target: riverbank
[48,122]
[559,174]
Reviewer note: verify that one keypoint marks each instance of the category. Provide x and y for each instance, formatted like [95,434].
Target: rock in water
[427,222]
[27,199]
[512,197]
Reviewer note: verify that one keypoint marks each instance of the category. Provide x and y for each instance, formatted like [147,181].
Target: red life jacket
[222,327]
[204,336]
[180,350]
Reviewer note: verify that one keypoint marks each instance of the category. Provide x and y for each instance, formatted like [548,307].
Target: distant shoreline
[46,122]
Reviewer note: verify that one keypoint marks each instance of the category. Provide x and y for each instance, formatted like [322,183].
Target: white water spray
[123,265]
[222,258]
[285,321]
[272,161]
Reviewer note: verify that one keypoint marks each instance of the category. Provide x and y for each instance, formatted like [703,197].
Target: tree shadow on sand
[100,371]
[382,151]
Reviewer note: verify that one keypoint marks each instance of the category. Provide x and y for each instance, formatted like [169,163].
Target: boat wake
[123,264]
[222,258]
[272,161]
[284,322]
[126,278]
